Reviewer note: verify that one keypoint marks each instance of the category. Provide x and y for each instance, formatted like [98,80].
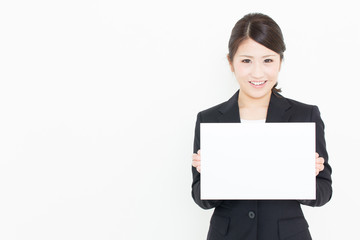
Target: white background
[98,102]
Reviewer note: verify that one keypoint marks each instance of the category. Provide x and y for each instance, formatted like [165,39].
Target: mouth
[257,83]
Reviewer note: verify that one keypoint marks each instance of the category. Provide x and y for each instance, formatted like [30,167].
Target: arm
[195,192]
[323,179]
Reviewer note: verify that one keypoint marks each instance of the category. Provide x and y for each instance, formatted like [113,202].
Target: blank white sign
[258,161]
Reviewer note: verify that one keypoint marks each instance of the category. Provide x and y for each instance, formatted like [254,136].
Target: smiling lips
[257,84]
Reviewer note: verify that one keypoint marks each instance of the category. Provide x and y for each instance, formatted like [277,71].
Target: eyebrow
[248,56]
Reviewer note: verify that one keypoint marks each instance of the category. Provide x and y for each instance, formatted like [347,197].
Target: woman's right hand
[196,161]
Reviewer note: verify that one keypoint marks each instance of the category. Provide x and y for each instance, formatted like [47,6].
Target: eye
[268,60]
[246,60]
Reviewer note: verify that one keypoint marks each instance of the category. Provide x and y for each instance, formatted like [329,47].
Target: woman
[256,48]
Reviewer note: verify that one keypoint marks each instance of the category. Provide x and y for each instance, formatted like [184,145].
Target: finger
[198,168]
[320,167]
[196,157]
[320,160]
[317,172]
[195,163]
[316,155]
[198,152]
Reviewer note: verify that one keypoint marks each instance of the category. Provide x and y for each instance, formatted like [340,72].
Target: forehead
[250,47]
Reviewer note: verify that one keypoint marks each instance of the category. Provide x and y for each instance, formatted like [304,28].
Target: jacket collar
[277,110]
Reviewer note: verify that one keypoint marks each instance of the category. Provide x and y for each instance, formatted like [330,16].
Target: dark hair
[260,28]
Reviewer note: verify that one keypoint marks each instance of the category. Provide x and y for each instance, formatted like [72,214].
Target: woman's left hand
[319,165]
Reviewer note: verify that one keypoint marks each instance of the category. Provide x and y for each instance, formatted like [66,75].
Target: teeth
[258,83]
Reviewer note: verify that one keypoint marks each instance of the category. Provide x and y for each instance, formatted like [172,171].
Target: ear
[230,63]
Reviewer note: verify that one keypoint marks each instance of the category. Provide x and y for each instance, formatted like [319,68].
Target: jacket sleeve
[323,179]
[195,192]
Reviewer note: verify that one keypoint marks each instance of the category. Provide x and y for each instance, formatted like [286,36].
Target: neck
[246,101]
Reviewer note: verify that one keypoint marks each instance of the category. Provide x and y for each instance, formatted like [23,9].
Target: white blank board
[258,161]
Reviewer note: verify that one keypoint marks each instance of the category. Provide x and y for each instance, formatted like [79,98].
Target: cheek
[241,71]
[272,73]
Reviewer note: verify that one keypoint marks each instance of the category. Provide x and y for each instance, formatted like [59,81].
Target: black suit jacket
[263,219]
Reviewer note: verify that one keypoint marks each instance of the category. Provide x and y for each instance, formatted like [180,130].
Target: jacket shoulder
[298,104]
[300,110]
[211,114]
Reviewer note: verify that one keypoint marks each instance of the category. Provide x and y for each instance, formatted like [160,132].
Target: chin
[259,94]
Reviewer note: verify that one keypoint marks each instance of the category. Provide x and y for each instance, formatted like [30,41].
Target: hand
[319,163]
[196,161]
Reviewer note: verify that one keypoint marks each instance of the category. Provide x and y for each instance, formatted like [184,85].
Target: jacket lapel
[229,112]
[277,110]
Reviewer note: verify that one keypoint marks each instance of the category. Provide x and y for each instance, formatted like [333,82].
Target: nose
[257,71]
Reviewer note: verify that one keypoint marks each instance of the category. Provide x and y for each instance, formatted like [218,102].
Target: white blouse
[252,121]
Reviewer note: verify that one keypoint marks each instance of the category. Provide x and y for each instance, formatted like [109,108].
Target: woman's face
[256,68]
